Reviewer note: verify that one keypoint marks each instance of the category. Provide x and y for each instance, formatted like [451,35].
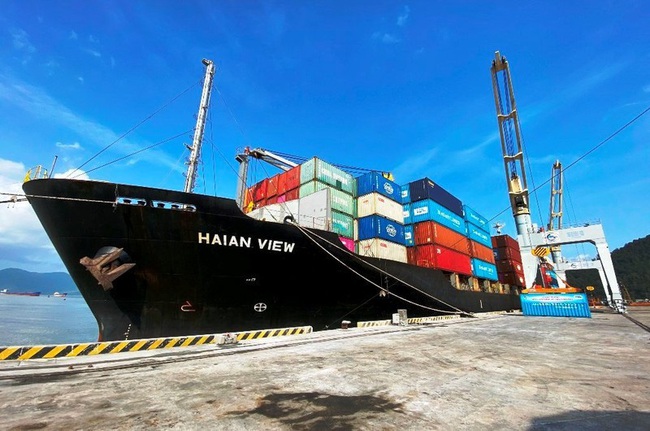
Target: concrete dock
[498,372]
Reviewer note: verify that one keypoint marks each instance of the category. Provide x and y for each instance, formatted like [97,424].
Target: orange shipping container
[429,232]
[481,252]
[289,180]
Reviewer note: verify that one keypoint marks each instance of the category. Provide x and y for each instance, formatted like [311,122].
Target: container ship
[312,246]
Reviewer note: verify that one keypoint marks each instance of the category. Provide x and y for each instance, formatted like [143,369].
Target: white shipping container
[376,203]
[315,211]
[383,249]
[277,212]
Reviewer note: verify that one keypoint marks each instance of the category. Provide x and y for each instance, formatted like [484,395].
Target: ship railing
[36,173]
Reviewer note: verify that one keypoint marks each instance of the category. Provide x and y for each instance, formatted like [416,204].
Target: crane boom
[511,144]
[261,154]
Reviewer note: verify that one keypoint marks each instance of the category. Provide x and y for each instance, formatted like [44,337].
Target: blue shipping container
[376,182]
[476,219]
[555,304]
[483,269]
[430,210]
[427,189]
[406,195]
[376,226]
[479,235]
[409,235]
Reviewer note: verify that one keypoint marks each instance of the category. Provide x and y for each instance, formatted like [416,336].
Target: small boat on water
[59,295]
[7,292]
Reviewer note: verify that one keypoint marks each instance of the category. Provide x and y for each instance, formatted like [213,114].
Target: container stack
[480,245]
[315,194]
[379,226]
[317,175]
[507,256]
[439,230]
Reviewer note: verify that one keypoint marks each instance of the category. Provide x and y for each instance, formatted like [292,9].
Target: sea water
[45,320]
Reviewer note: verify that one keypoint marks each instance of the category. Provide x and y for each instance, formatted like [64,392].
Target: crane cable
[309,234]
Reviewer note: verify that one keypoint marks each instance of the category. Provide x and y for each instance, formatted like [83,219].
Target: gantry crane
[513,158]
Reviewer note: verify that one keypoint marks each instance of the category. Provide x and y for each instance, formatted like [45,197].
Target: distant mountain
[18,280]
[632,267]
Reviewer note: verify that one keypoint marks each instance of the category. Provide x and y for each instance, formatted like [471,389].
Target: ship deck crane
[258,153]
[513,156]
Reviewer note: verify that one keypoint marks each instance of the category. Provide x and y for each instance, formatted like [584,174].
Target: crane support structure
[555,214]
[531,241]
[258,153]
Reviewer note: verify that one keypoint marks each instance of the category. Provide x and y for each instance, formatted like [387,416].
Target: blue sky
[403,87]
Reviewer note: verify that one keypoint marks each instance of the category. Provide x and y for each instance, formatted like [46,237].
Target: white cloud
[76,174]
[401,20]
[646,89]
[94,53]
[21,41]
[385,37]
[74,146]
[23,241]
[73,35]
[39,104]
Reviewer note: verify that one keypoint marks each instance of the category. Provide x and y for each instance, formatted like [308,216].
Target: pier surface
[496,372]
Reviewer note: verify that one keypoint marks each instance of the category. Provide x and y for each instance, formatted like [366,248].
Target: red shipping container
[271,200]
[512,278]
[289,180]
[259,190]
[292,194]
[435,256]
[272,186]
[429,232]
[481,252]
[504,241]
[410,255]
[509,266]
[506,253]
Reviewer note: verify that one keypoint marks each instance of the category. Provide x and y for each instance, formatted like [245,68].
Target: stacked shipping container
[507,257]
[478,235]
[379,225]
[420,222]
[435,217]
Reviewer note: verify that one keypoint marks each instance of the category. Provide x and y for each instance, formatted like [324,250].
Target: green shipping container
[339,200]
[343,224]
[317,169]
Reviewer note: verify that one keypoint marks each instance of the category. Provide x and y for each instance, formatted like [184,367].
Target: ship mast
[195,149]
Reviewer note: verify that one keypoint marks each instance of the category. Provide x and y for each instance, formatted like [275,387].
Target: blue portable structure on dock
[569,304]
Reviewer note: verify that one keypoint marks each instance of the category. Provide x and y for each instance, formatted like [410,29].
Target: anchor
[106,267]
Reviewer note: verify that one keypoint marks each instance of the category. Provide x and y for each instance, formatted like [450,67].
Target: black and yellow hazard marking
[374,323]
[411,321]
[252,335]
[88,349]
[430,319]
[540,251]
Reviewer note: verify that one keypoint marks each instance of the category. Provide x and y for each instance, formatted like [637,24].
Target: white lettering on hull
[225,240]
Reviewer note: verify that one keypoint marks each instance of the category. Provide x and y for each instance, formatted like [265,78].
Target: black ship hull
[159,263]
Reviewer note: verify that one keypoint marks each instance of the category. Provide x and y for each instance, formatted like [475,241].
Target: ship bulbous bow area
[108,264]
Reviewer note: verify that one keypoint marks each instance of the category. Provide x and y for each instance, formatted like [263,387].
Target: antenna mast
[195,149]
